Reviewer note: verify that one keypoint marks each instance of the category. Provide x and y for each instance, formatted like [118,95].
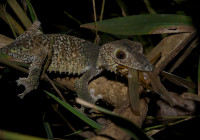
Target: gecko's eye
[120,54]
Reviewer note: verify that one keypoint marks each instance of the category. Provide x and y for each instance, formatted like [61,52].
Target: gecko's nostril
[149,67]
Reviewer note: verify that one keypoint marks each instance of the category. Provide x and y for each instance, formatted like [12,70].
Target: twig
[149,8]
[185,54]
[95,21]
[73,18]
[198,80]
[123,7]
[49,56]
[102,10]
[12,65]
[164,63]
[64,118]
[56,89]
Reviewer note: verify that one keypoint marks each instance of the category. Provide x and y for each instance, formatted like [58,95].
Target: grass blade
[20,13]
[31,10]
[76,112]
[17,27]
[48,128]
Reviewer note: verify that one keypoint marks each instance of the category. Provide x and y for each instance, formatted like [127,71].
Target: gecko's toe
[28,84]
[21,81]
[21,96]
[95,98]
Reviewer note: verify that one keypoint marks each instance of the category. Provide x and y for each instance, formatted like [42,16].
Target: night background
[28,116]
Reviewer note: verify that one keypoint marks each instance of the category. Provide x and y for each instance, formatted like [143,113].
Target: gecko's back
[72,54]
[67,53]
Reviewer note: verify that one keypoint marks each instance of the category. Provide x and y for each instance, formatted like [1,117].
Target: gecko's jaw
[122,69]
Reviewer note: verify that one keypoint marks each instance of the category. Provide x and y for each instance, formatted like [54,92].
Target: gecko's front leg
[81,86]
[32,81]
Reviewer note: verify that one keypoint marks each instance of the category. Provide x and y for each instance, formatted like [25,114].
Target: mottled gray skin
[72,55]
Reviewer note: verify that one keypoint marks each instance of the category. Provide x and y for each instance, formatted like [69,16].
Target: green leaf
[144,24]
[76,112]
[7,135]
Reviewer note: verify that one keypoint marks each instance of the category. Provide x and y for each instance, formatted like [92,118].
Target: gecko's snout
[148,67]
[143,66]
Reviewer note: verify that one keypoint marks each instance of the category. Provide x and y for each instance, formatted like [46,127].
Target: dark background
[26,116]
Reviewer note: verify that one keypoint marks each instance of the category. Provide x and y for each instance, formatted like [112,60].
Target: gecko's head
[124,54]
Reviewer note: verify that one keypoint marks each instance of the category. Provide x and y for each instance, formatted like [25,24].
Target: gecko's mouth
[122,69]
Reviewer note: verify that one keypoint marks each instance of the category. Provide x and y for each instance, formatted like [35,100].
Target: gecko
[73,56]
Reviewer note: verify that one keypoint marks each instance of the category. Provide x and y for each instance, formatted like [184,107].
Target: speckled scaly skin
[72,55]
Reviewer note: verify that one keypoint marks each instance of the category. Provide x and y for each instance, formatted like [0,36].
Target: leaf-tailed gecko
[72,55]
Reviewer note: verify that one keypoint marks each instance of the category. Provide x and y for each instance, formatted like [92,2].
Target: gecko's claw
[21,96]
[28,84]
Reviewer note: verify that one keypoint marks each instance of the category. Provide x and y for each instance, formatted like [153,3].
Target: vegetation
[170,94]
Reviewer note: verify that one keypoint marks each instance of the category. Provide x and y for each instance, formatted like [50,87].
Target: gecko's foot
[95,98]
[28,84]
